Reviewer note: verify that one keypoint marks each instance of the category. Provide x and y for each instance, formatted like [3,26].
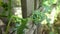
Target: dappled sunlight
[18,11]
[52,15]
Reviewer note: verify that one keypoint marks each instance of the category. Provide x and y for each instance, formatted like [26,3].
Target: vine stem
[9,16]
[8,26]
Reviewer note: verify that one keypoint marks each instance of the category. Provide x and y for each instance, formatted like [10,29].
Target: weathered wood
[37,4]
[24,8]
[27,7]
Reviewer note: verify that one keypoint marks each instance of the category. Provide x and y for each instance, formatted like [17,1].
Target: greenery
[38,16]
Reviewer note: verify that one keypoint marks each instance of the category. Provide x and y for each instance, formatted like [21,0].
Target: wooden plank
[24,8]
[36,4]
[27,7]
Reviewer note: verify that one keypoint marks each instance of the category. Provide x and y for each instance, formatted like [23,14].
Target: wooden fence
[27,7]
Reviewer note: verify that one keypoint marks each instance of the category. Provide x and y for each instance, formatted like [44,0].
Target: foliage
[4,6]
[37,16]
[21,28]
[40,16]
[20,24]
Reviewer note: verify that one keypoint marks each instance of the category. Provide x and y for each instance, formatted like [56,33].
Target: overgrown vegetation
[41,17]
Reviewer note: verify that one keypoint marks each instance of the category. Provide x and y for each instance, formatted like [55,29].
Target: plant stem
[8,26]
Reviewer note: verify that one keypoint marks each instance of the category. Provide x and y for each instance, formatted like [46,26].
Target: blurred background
[29,16]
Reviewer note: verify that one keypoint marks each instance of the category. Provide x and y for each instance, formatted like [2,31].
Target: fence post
[27,8]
